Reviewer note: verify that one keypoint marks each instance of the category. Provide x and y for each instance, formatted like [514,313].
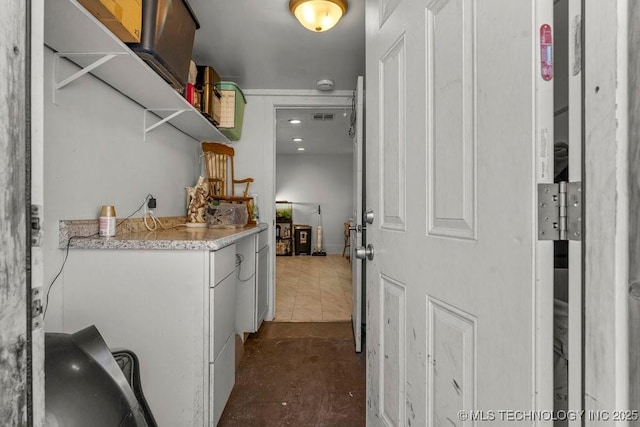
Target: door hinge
[36,308]
[36,225]
[560,211]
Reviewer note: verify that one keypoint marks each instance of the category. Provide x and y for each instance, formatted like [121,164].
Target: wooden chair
[220,172]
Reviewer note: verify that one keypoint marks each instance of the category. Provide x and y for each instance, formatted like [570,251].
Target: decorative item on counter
[226,215]
[107,221]
[255,211]
[197,202]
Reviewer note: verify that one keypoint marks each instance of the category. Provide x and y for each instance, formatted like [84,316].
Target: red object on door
[546,52]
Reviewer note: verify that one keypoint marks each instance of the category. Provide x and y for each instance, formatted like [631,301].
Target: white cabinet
[175,309]
[262,277]
[222,343]
[252,288]
[222,377]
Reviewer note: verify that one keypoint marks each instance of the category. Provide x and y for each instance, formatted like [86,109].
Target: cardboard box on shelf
[210,106]
[122,17]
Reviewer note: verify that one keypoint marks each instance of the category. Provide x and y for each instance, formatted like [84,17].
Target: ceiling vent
[323,116]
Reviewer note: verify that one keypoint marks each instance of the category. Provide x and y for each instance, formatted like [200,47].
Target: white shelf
[74,33]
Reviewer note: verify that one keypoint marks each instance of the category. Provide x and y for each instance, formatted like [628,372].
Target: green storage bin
[232,110]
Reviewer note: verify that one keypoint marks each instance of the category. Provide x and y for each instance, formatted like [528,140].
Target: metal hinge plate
[560,211]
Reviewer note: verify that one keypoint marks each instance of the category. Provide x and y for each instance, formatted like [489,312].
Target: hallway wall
[95,155]
[309,180]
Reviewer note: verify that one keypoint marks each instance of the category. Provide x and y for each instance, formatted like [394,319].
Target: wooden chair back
[221,174]
[220,170]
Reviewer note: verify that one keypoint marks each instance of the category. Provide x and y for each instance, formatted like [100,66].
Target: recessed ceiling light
[295,121]
[300,148]
[297,139]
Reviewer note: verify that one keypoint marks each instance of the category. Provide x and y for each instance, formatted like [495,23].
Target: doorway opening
[314,198]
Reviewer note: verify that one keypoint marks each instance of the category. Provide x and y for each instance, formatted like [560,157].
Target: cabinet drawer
[222,300]
[222,263]
[222,377]
[263,239]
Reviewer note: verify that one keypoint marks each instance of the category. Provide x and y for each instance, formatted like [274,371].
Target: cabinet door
[223,263]
[152,302]
[263,239]
[223,314]
[222,377]
[246,287]
[262,285]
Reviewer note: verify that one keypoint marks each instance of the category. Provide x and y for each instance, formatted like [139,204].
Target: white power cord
[151,222]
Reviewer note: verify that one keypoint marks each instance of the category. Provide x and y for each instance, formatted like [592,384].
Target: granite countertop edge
[207,239]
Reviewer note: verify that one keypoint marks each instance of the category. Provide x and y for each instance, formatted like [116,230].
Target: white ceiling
[319,136]
[258,44]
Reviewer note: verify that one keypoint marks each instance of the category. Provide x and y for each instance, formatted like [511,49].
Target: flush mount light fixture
[300,148]
[297,139]
[318,15]
[295,121]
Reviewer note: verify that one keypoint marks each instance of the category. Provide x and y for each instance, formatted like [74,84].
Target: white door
[454,153]
[356,223]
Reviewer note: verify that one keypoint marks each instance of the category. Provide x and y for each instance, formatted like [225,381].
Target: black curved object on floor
[84,385]
[129,365]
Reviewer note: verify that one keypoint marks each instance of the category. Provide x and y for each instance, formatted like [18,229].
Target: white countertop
[178,238]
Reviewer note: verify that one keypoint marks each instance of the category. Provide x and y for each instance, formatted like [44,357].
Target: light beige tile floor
[313,289]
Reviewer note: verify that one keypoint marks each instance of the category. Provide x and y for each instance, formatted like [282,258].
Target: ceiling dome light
[318,15]
[295,121]
[297,139]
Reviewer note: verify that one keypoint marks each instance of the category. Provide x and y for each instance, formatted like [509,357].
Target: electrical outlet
[149,205]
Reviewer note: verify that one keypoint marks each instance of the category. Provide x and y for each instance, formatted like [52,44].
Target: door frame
[634,198]
[612,198]
[15,232]
[275,100]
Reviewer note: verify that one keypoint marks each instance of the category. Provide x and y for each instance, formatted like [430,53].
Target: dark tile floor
[299,374]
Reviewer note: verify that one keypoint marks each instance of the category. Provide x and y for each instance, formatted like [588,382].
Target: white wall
[95,154]
[312,180]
